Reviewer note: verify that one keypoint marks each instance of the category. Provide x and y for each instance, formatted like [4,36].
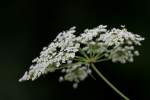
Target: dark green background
[28,25]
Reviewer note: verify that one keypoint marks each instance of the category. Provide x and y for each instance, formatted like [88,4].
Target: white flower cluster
[75,73]
[62,49]
[73,54]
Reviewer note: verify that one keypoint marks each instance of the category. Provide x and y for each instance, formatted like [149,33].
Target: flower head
[73,54]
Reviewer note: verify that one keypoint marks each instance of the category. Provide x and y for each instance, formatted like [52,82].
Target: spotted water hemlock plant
[75,56]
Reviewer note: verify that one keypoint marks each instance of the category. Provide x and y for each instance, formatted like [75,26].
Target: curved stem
[110,84]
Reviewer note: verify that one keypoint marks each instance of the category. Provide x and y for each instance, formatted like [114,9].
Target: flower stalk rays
[75,55]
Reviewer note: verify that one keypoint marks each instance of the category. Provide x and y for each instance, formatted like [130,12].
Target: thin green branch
[109,83]
[99,55]
[105,59]
[92,76]
[83,53]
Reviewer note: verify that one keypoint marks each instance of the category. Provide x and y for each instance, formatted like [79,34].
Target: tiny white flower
[75,85]
[61,79]
[25,77]
[136,53]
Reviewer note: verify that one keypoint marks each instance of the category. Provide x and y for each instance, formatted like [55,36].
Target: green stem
[110,84]
[83,53]
[105,59]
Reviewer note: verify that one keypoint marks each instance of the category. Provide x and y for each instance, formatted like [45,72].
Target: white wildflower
[73,54]
[51,56]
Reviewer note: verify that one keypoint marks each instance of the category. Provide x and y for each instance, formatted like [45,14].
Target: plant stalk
[109,83]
